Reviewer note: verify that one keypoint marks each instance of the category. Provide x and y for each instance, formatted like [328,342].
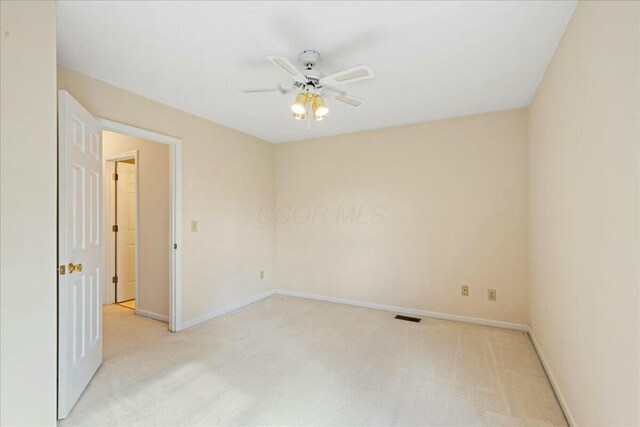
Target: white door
[80,247]
[126,238]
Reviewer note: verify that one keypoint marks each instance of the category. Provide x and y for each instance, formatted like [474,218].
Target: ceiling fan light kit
[319,108]
[312,88]
[306,101]
[300,105]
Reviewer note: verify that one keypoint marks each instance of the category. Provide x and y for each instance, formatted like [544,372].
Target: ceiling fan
[311,88]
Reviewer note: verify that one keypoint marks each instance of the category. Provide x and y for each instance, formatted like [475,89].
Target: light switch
[194,226]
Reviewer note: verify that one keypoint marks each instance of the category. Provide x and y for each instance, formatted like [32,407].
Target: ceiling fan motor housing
[309,58]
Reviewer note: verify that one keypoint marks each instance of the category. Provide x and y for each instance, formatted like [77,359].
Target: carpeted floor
[289,361]
[128,304]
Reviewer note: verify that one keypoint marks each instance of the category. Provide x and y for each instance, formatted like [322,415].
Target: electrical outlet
[194,226]
[261,275]
[492,295]
[465,290]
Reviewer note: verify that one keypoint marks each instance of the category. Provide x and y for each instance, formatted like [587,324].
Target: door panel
[77,204]
[79,244]
[95,192]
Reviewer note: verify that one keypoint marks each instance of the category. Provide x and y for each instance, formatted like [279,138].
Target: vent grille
[408,318]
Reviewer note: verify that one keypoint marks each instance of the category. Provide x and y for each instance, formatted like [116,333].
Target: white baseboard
[552,380]
[409,311]
[223,311]
[152,315]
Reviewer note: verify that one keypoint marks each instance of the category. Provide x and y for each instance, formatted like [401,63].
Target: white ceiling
[432,60]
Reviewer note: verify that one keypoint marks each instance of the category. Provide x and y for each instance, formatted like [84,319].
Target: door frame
[175,212]
[109,220]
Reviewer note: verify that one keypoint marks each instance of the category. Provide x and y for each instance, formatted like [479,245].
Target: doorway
[171,251]
[137,211]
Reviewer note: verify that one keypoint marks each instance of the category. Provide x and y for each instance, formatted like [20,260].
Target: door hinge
[114,279]
[114,228]
[175,246]
[61,270]
[115,176]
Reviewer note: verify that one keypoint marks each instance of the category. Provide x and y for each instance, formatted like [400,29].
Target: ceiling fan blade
[285,89]
[285,65]
[260,90]
[282,89]
[350,75]
[335,90]
[343,97]
[350,100]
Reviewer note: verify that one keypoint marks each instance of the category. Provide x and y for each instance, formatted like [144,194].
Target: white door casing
[126,221]
[80,243]
[174,252]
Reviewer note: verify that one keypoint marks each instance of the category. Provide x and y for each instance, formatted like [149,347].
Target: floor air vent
[408,318]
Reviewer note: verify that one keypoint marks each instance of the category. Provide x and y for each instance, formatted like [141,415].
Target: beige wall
[441,204]
[153,217]
[28,213]
[227,177]
[584,131]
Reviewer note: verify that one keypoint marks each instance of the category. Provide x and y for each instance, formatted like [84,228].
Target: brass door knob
[74,267]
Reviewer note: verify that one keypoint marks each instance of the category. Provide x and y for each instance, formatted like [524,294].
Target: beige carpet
[289,361]
[129,304]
